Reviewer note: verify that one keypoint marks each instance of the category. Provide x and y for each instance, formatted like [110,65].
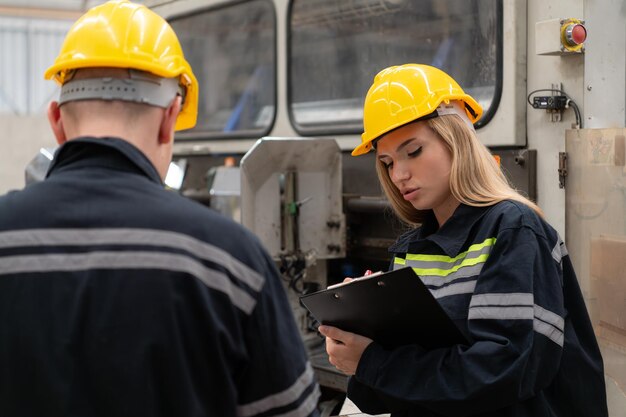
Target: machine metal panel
[306,217]
[605,65]
[520,167]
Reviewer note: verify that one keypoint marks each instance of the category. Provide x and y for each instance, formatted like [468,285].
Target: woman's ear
[56,122]
[168,123]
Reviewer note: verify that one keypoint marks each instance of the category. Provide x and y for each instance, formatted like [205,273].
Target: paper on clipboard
[393,308]
[341,284]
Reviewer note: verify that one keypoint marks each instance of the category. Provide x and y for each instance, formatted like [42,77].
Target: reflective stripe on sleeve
[501,313]
[286,397]
[559,251]
[466,287]
[518,306]
[549,324]
[516,298]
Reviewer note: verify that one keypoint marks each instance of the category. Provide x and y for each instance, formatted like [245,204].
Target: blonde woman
[498,269]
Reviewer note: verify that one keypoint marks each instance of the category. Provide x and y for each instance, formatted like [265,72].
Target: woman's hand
[344,348]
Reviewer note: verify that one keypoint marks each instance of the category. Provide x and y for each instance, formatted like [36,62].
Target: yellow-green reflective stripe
[477,247]
[441,271]
[438,280]
[399,261]
[445,272]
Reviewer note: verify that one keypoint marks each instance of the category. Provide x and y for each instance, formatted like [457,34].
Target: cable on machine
[555,103]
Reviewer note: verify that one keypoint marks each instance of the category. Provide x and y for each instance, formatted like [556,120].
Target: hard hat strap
[139,88]
[455,107]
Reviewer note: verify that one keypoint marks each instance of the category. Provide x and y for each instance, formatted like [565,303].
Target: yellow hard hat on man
[407,93]
[121,34]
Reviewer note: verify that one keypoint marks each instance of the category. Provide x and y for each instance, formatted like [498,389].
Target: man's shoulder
[9,196]
[186,211]
[145,207]
[17,206]
[204,223]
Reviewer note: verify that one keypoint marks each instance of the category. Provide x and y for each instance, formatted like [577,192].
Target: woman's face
[419,163]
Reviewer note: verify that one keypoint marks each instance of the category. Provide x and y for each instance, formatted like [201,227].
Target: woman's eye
[415,152]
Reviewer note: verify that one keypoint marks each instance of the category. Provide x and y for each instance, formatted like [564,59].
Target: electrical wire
[293,271]
[579,120]
[570,102]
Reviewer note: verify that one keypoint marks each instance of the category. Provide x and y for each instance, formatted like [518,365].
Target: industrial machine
[281,88]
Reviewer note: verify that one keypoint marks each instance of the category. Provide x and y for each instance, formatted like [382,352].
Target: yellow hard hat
[121,34]
[405,93]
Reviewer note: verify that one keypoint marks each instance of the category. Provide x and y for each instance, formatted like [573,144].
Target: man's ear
[168,123]
[56,123]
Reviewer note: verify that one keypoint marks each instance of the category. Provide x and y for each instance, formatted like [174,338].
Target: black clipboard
[392,308]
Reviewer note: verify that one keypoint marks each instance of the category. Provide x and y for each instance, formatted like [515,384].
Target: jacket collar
[450,237]
[110,152]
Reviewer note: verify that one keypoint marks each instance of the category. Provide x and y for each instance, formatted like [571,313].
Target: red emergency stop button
[575,34]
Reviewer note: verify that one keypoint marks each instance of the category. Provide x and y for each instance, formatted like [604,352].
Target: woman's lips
[410,194]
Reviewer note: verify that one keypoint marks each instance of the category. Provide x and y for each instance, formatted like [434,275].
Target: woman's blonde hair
[475,177]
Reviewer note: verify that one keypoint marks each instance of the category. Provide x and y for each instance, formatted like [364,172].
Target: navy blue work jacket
[505,277]
[120,298]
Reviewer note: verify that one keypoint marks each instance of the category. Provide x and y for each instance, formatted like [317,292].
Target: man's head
[123,74]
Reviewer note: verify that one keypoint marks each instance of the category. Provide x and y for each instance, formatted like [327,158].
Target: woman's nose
[400,172]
